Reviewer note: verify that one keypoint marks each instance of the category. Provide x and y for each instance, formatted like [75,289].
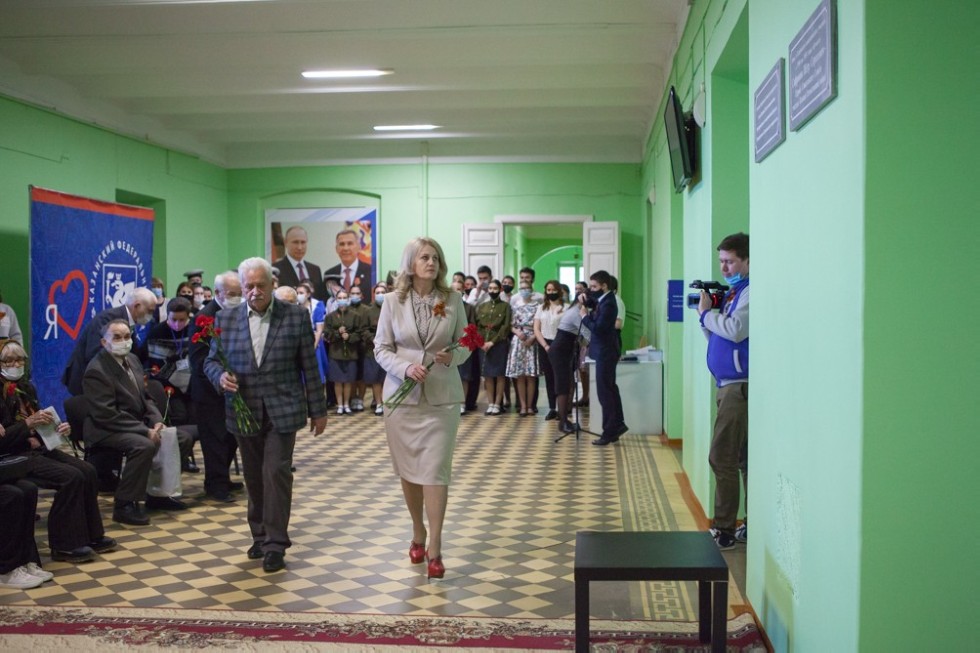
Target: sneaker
[340,410]
[723,540]
[357,404]
[742,533]
[19,579]
[490,409]
[379,410]
[496,410]
[35,570]
[347,410]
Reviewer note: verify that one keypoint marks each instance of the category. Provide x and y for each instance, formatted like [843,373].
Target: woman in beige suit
[421,318]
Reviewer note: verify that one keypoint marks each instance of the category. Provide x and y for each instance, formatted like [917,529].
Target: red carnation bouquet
[471,339]
[243,416]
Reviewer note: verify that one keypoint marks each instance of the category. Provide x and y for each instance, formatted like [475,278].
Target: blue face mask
[343,302]
[379,299]
[731,281]
[355,300]
[525,293]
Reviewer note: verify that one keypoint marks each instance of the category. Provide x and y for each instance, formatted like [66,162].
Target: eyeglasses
[14,361]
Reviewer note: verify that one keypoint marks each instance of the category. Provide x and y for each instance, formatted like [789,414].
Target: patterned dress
[521,360]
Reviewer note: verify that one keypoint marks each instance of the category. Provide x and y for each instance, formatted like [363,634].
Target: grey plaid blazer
[288,372]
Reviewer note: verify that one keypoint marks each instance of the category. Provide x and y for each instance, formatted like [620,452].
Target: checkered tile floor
[516,502]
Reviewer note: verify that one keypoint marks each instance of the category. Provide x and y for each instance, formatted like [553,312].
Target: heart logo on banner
[62,286]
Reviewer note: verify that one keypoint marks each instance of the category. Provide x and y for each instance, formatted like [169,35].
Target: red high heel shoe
[436,568]
[416,552]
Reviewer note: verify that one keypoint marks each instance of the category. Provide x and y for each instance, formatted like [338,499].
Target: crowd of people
[288,331]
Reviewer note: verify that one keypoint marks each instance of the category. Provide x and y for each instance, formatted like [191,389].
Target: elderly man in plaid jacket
[269,347]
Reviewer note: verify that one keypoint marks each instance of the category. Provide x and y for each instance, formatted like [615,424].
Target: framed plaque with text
[813,65]
[769,113]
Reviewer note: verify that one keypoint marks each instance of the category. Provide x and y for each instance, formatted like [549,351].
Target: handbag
[164,479]
[13,467]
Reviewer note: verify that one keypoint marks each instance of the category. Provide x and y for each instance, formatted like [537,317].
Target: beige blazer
[397,345]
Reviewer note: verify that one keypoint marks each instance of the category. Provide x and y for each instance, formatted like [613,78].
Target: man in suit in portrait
[138,310]
[599,313]
[123,417]
[269,347]
[294,268]
[217,444]
[351,271]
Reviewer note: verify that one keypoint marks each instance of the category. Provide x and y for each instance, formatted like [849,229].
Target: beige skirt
[422,439]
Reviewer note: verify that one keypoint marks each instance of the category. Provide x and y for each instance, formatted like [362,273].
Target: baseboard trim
[675,443]
[691,501]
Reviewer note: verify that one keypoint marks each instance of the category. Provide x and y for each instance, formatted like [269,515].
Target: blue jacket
[728,337]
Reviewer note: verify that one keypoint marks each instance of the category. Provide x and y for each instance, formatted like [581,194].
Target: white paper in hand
[49,432]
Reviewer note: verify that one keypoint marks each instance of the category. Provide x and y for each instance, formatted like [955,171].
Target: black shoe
[534,410]
[273,561]
[81,554]
[603,441]
[622,430]
[567,427]
[190,467]
[552,414]
[235,485]
[582,403]
[103,545]
[164,503]
[129,513]
[222,496]
[254,552]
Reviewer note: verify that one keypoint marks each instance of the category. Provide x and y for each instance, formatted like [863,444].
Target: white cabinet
[641,387]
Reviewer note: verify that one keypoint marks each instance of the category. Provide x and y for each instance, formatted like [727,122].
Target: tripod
[573,396]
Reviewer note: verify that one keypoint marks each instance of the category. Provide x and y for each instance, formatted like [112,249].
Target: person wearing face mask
[493,319]
[208,295]
[198,298]
[545,329]
[357,306]
[522,359]
[165,353]
[727,332]
[123,417]
[342,331]
[507,286]
[160,314]
[138,310]
[374,375]
[75,530]
[582,289]
[217,444]
[599,315]
[186,290]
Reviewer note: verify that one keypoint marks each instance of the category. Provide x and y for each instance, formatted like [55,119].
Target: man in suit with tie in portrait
[294,268]
[352,271]
[269,348]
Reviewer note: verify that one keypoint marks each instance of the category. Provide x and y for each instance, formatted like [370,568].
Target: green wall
[41,148]
[918,567]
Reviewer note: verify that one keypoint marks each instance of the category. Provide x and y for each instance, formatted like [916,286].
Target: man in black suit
[351,271]
[604,350]
[294,269]
[139,309]
[123,417]
[217,444]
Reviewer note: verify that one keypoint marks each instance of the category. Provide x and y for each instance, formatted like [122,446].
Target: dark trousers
[266,461]
[139,452]
[728,455]
[473,389]
[608,391]
[18,505]
[74,519]
[549,376]
[217,445]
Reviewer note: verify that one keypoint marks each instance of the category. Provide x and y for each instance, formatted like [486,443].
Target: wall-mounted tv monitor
[680,141]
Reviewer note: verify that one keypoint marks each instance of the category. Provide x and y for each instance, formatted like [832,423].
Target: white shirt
[548,319]
[258,326]
[620,311]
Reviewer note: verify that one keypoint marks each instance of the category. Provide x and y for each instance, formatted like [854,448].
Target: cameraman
[604,350]
[727,332]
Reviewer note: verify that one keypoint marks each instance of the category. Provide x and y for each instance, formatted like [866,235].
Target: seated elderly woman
[75,531]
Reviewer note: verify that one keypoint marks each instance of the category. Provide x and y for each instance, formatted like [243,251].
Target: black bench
[654,556]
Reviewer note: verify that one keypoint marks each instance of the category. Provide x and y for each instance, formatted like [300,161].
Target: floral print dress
[521,360]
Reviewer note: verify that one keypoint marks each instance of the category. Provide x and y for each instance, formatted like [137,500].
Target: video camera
[715,289]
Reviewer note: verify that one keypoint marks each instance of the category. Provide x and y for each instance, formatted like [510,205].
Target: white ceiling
[525,80]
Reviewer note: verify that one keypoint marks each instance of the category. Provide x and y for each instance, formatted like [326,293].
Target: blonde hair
[403,281]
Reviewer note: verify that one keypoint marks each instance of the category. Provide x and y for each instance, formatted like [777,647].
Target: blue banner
[86,256]
[676,300]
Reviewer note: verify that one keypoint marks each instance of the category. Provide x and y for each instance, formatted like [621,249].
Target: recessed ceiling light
[344,74]
[404,128]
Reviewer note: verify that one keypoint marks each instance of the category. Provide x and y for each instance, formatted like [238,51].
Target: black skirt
[563,358]
[494,362]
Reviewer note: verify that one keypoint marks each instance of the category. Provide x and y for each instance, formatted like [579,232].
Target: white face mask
[232,302]
[121,348]
[301,297]
[144,320]
[12,373]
